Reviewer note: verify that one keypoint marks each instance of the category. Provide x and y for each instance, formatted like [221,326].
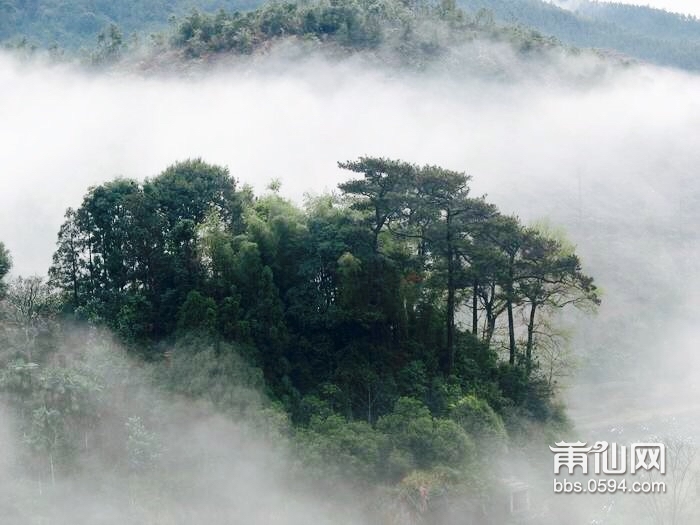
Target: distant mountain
[646,21]
[644,33]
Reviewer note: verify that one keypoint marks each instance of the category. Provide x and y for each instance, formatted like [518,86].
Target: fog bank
[607,152]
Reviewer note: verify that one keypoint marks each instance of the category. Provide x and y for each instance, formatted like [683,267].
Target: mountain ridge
[642,33]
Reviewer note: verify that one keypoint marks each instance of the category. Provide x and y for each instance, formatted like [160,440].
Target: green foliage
[29,320]
[142,446]
[5,265]
[202,369]
[351,24]
[406,439]
[421,441]
[359,294]
[197,313]
[479,420]
[129,254]
[192,189]
[631,30]
[79,22]
[56,406]
[407,33]
[340,449]
[110,45]
[340,318]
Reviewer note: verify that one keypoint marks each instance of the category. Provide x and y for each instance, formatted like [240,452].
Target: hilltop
[640,33]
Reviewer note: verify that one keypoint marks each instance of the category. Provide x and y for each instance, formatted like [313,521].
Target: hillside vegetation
[401,330]
[72,24]
[636,32]
[650,35]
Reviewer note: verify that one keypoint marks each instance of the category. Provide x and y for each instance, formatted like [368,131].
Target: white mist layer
[614,163]
[211,467]
[63,131]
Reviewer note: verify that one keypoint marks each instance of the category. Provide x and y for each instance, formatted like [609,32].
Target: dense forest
[400,33]
[390,32]
[389,329]
[73,24]
[637,32]
[644,33]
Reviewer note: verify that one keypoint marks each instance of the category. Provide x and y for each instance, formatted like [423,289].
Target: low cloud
[605,150]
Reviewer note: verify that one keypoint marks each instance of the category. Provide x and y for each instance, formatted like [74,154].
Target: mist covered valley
[259,360]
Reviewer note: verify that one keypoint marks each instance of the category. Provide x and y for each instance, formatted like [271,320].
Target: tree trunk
[511,333]
[53,475]
[475,311]
[509,304]
[74,271]
[530,337]
[450,297]
[490,316]
[369,404]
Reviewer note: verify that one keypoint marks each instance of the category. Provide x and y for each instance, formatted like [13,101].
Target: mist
[64,130]
[183,460]
[606,151]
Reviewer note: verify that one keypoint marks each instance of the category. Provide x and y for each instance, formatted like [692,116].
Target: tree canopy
[415,32]
[5,265]
[361,292]
[385,331]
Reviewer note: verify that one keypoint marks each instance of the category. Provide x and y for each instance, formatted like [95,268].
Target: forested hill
[70,24]
[394,324]
[390,32]
[654,23]
[644,33]
[639,32]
